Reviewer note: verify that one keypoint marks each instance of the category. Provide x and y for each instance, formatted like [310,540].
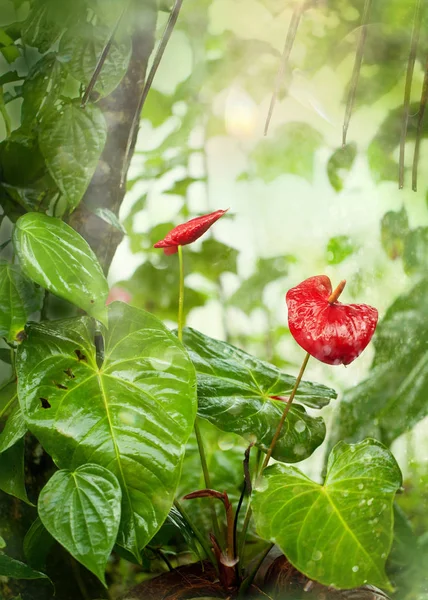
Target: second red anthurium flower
[332,332]
[188,232]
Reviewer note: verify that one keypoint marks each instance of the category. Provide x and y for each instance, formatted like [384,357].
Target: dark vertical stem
[422,107]
[356,70]
[289,41]
[102,59]
[408,88]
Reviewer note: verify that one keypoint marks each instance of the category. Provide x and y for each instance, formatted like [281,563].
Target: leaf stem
[284,414]
[199,441]
[199,536]
[249,579]
[421,114]
[289,41]
[180,294]
[356,70]
[407,90]
[207,478]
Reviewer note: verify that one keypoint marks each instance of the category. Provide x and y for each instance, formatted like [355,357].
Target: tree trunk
[108,186]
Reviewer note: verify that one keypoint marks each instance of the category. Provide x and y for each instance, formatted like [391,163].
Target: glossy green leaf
[394,396]
[133,415]
[394,228]
[80,49]
[235,393]
[72,140]
[42,87]
[339,248]
[9,567]
[12,476]
[56,257]
[415,254]
[81,510]
[339,164]
[19,297]
[37,545]
[15,427]
[291,151]
[338,533]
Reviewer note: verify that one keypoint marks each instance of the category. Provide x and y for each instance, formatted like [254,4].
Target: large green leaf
[235,393]
[133,415]
[9,567]
[81,48]
[71,140]
[44,24]
[19,297]
[15,427]
[338,533]
[56,257]
[394,396]
[81,510]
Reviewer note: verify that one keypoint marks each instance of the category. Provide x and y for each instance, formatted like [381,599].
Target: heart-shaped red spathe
[332,332]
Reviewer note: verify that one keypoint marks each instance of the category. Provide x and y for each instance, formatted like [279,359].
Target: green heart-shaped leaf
[81,510]
[19,297]
[72,140]
[12,474]
[9,567]
[339,533]
[56,257]
[133,415]
[236,393]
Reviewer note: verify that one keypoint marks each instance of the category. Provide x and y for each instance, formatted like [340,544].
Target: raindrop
[316,555]
[361,486]
[356,568]
[370,502]
[299,426]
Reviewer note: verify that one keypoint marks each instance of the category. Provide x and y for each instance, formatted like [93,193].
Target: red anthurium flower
[189,232]
[332,332]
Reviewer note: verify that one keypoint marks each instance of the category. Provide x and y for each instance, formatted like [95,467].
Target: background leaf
[19,298]
[81,510]
[42,87]
[80,49]
[339,164]
[9,567]
[71,140]
[235,394]
[393,397]
[37,545]
[274,157]
[56,257]
[12,475]
[394,228]
[132,416]
[338,533]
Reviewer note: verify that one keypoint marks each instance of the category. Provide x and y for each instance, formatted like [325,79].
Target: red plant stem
[336,293]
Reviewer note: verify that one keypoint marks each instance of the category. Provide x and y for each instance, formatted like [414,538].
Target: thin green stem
[250,578]
[181,294]
[196,426]
[284,414]
[207,478]
[199,536]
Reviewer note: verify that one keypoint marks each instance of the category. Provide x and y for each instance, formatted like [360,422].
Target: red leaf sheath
[189,232]
[333,333]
